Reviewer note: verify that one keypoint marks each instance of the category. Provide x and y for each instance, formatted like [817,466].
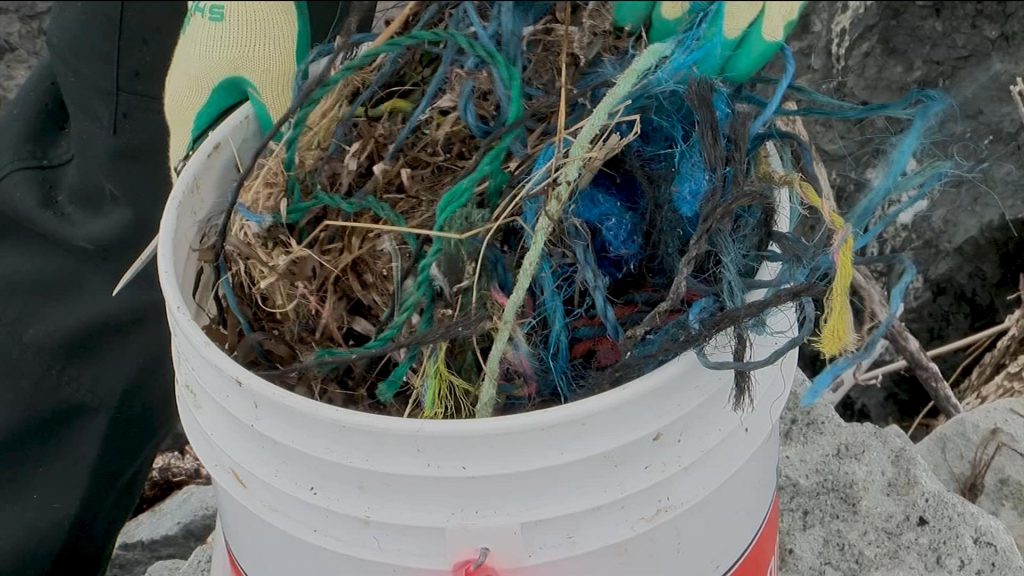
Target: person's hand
[741,36]
[228,53]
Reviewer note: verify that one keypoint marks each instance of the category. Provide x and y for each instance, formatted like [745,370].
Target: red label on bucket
[233,566]
[760,559]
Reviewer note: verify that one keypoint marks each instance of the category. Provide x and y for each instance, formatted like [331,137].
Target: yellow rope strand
[837,334]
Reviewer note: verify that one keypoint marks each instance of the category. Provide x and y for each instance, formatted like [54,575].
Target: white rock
[166,568]
[858,500]
[951,451]
[199,563]
[171,530]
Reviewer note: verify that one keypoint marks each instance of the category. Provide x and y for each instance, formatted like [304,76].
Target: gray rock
[171,530]
[199,563]
[952,449]
[166,568]
[22,43]
[856,499]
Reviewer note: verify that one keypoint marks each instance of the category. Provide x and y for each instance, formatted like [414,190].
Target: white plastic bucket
[656,477]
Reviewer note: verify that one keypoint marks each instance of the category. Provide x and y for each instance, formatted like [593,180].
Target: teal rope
[296,212]
[355,205]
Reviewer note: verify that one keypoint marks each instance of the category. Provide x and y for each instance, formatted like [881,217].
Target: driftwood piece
[1006,353]
[907,346]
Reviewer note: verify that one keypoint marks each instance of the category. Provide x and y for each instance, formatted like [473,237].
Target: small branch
[1010,347]
[906,345]
[796,125]
[940,351]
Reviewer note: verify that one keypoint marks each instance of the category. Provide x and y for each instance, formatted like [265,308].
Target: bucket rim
[179,316]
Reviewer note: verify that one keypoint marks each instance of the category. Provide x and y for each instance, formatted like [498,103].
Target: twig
[139,263]
[1010,347]
[1006,384]
[972,354]
[940,351]
[917,421]
[908,346]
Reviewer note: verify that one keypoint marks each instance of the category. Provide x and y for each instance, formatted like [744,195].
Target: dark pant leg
[86,392]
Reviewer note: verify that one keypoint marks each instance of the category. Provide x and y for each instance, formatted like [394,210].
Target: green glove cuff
[671,18]
[225,96]
[631,16]
[230,53]
[762,40]
[725,29]
[740,37]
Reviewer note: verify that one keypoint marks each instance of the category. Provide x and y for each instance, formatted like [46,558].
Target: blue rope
[772,106]
[593,278]
[428,98]
[806,328]
[904,108]
[552,305]
[897,163]
[925,182]
[263,220]
[465,103]
[229,294]
[835,370]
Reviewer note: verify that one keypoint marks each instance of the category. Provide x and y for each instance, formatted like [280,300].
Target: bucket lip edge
[534,419]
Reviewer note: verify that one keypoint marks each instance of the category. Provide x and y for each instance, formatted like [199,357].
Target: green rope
[489,169]
[353,206]
[297,212]
[552,212]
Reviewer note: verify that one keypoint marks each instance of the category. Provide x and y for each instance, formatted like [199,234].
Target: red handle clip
[476,567]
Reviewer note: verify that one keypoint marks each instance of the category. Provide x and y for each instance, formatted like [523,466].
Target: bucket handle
[476,567]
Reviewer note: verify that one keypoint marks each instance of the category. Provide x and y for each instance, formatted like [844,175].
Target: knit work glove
[229,53]
[741,36]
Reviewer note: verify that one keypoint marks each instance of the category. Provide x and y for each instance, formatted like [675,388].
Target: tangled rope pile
[508,206]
